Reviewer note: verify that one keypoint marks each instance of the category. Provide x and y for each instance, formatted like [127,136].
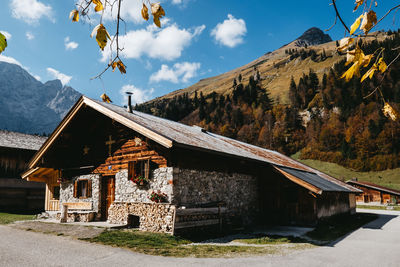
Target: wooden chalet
[129,167]
[16,195]
[375,194]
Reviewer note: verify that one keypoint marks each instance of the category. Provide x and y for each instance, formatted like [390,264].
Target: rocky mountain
[29,106]
[313,36]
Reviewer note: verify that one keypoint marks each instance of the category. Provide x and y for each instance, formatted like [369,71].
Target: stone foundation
[78,216]
[154,217]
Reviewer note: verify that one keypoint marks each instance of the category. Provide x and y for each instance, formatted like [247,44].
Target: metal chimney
[129,107]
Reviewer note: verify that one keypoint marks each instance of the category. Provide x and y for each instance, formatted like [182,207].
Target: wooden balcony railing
[53,205]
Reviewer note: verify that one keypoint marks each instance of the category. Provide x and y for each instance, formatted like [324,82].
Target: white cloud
[30,11]
[165,44]
[58,75]
[230,32]
[6,34]
[29,36]
[180,72]
[130,11]
[138,95]
[10,60]
[70,45]
[16,62]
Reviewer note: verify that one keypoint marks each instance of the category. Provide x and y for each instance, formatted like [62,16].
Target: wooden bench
[79,205]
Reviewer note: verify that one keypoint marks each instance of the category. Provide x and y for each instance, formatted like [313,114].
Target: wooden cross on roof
[109,143]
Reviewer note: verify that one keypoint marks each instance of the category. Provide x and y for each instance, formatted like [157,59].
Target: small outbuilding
[375,194]
[16,195]
[123,166]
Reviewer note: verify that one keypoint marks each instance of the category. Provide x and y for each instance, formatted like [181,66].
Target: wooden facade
[375,194]
[17,195]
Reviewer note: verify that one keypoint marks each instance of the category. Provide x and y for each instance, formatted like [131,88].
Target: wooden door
[108,195]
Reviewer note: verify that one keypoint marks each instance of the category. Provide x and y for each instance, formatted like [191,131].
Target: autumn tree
[373,63]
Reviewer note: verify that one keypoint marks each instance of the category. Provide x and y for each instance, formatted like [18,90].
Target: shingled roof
[170,133]
[20,140]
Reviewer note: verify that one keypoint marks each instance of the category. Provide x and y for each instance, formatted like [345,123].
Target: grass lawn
[340,225]
[6,218]
[387,178]
[372,207]
[271,240]
[167,245]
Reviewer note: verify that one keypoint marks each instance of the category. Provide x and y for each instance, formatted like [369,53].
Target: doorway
[107,195]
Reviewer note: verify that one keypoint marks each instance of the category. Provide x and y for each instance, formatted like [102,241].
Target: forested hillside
[326,119]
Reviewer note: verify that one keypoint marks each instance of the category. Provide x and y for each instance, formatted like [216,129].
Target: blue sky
[199,39]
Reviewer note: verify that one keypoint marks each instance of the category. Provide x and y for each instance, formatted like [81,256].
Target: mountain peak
[312,36]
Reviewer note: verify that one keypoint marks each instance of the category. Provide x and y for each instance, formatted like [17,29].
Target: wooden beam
[180,225]
[200,211]
[300,182]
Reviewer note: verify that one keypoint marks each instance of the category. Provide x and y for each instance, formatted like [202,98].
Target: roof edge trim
[129,123]
[300,182]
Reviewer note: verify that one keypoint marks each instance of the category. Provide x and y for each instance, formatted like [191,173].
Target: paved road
[375,244]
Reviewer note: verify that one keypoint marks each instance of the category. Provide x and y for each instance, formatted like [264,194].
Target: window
[83,188]
[138,168]
[56,192]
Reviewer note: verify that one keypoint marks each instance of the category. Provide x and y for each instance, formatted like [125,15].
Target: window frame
[78,188]
[139,167]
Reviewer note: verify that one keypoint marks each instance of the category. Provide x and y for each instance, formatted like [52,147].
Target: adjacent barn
[17,195]
[104,162]
[375,194]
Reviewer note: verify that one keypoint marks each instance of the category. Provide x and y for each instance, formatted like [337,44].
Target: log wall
[134,149]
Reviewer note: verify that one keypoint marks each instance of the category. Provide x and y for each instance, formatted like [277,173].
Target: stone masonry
[238,192]
[154,217]
[127,191]
[67,196]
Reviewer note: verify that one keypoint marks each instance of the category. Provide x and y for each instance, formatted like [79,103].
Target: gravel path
[375,244]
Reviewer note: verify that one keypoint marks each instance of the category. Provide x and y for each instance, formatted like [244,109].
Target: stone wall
[67,192]
[127,191]
[239,192]
[154,217]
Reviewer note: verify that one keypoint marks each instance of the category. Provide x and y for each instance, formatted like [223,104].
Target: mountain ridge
[30,106]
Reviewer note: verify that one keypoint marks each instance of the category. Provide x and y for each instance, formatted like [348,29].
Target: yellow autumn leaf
[74,15]
[366,60]
[358,3]
[368,21]
[369,73]
[114,65]
[106,98]
[99,5]
[145,12]
[382,65]
[345,43]
[355,55]
[158,12]
[389,111]
[121,67]
[101,35]
[356,24]
[353,70]
[3,42]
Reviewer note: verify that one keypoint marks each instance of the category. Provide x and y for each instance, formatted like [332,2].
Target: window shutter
[89,189]
[76,188]
[147,169]
[131,170]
